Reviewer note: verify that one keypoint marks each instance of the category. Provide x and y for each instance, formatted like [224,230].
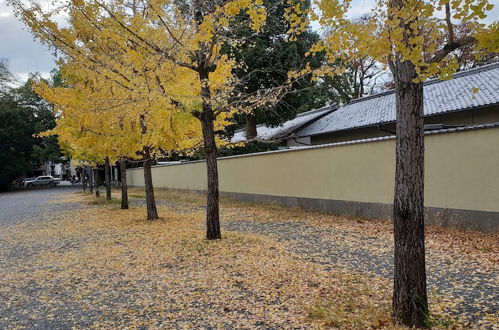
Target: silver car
[46,180]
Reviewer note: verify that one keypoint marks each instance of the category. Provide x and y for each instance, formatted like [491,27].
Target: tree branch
[145,41]
[449,23]
[450,47]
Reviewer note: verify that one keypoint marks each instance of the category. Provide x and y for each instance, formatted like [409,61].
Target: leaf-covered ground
[101,267]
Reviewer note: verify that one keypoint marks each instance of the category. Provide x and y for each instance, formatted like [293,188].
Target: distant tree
[360,75]
[363,77]
[24,115]
[468,56]
[16,141]
[5,75]
[45,148]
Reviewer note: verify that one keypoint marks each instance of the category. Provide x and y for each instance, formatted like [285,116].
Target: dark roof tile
[440,96]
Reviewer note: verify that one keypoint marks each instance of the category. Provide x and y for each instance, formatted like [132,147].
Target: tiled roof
[440,96]
[279,132]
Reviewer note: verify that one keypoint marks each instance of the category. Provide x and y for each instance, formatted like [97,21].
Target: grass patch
[103,201]
[178,196]
[486,249]
[84,193]
[442,321]
[137,196]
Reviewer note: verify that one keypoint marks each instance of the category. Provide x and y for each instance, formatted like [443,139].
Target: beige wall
[462,172]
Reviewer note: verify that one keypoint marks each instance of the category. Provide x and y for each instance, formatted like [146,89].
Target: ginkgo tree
[407,36]
[87,129]
[100,118]
[166,51]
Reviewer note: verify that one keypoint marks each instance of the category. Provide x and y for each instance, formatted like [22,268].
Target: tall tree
[362,77]
[405,34]
[124,184]
[107,170]
[169,53]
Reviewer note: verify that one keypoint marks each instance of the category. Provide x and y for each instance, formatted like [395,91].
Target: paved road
[24,204]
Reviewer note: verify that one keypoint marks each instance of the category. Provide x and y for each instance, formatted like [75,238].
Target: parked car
[25,181]
[42,181]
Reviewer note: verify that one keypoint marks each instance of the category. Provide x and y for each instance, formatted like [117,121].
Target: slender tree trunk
[107,169]
[84,178]
[152,212]
[251,132]
[96,182]
[210,147]
[410,304]
[124,187]
[91,179]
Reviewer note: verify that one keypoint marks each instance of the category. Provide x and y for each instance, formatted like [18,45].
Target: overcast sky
[23,53]
[26,55]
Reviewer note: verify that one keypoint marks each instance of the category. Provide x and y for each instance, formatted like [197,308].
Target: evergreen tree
[23,115]
[269,56]
[16,141]
[45,149]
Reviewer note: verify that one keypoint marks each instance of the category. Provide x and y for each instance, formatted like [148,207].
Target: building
[470,98]
[286,133]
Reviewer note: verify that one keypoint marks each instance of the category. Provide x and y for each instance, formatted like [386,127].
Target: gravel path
[27,204]
[476,289]
[452,276]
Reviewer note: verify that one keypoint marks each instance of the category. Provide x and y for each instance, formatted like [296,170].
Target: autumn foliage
[150,71]
[146,78]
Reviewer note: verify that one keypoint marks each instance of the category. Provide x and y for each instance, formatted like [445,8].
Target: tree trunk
[107,169]
[84,179]
[207,118]
[152,212]
[251,132]
[96,183]
[410,305]
[91,179]
[124,187]
[210,147]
